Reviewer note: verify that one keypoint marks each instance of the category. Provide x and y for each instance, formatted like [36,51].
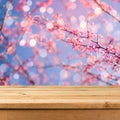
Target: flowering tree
[60,42]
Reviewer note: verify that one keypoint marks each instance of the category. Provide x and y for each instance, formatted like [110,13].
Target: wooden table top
[59,97]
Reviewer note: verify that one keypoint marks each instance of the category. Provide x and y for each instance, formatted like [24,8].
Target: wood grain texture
[59,115]
[55,97]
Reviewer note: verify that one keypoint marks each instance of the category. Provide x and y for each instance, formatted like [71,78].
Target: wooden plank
[53,97]
[59,114]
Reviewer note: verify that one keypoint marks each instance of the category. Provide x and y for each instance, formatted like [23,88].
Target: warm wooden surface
[59,97]
[59,103]
[59,114]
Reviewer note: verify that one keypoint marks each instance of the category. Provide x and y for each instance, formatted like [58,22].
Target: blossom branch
[113,16]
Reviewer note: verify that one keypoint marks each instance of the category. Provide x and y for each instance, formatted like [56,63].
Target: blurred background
[45,42]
